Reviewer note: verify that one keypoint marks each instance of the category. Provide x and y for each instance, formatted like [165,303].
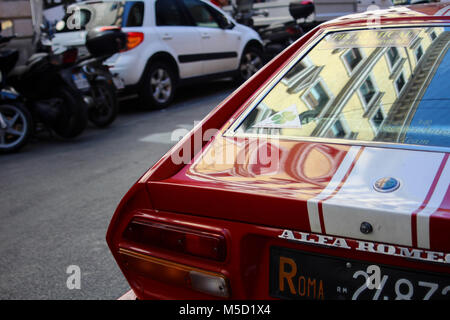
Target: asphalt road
[57,197]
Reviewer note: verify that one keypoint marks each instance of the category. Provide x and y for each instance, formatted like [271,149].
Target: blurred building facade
[21,18]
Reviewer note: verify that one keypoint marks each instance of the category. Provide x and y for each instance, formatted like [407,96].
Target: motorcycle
[16,123]
[98,85]
[46,87]
[278,36]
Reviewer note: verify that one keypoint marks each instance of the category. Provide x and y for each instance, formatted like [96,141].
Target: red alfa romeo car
[325,176]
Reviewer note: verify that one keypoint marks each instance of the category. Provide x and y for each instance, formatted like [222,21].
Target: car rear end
[320,183]
[127,15]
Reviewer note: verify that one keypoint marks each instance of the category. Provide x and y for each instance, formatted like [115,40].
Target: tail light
[175,274]
[133,40]
[107,28]
[177,239]
[70,56]
[147,251]
[293,30]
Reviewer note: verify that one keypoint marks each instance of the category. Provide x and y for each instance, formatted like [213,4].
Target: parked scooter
[277,36]
[243,12]
[16,123]
[94,80]
[99,91]
[46,87]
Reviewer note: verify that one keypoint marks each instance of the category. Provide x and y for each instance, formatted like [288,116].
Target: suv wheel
[158,88]
[251,62]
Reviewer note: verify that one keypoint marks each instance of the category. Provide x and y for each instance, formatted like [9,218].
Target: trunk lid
[321,188]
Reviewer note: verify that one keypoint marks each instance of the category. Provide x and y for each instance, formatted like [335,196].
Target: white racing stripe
[313,209]
[443,12]
[389,213]
[423,217]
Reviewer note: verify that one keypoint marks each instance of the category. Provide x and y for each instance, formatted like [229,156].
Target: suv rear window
[168,13]
[383,85]
[103,13]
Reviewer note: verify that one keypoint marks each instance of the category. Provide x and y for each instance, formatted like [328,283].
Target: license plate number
[297,275]
[81,82]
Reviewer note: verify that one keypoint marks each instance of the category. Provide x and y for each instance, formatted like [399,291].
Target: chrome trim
[261,94]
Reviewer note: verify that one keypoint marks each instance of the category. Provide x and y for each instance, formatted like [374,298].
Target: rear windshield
[85,16]
[381,85]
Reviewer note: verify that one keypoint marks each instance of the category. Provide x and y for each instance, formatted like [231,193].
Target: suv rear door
[180,36]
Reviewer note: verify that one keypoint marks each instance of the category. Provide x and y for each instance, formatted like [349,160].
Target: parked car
[325,176]
[170,42]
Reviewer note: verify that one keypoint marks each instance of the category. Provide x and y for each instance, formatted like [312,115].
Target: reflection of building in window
[337,130]
[418,53]
[301,76]
[297,69]
[400,83]
[367,90]
[364,93]
[317,97]
[352,59]
[433,36]
[414,87]
[393,56]
[377,119]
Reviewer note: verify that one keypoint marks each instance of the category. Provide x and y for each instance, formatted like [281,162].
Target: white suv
[169,42]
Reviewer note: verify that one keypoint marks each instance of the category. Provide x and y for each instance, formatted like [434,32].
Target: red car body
[215,228]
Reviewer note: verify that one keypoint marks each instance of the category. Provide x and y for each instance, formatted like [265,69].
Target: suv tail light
[133,40]
[179,239]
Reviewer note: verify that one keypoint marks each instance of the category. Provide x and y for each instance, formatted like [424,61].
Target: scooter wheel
[73,114]
[16,127]
[106,107]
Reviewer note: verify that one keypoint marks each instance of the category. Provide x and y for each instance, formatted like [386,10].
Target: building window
[352,58]
[400,83]
[337,130]
[294,71]
[418,52]
[317,97]
[367,90]
[377,119]
[393,56]
[433,36]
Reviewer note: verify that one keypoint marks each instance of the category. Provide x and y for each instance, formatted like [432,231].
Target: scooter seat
[8,59]
[37,63]
[36,56]
[17,73]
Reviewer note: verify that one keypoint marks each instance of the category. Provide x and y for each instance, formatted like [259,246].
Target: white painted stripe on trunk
[313,210]
[423,217]
[445,11]
[389,213]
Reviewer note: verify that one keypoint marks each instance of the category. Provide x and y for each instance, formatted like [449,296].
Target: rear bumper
[127,67]
[129,295]
[249,252]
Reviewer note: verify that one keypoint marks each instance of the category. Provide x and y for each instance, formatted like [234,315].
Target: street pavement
[57,197]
